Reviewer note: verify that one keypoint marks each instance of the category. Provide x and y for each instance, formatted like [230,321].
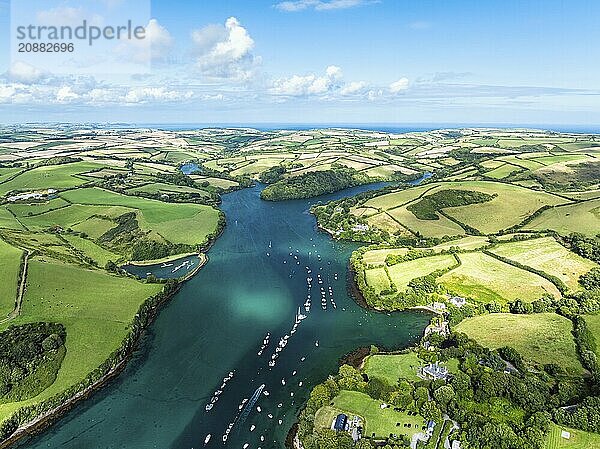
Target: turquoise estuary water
[217,324]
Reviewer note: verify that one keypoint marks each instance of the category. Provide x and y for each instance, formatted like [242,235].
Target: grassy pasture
[486,279]
[403,273]
[579,439]
[392,367]
[51,176]
[10,265]
[470,242]
[68,216]
[159,187]
[381,422]
[167,219]
[95,308]
[377,256]
[7,220]
[502,171]
[378,279]
[580,217]
[511,206]
[24,210]
[540,338]
[427,228]
[95,252]
[548,255]
[385,222]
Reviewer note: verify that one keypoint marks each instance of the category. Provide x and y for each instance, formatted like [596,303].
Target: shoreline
[48,418]
[145,263]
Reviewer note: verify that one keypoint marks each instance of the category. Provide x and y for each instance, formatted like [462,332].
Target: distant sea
[384,127]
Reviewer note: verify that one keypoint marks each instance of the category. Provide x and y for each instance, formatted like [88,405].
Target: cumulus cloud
[225,51]
[399,86]
[297,85]
[354,87]
[156,94]
[320,5]
[23,72]
[155,47]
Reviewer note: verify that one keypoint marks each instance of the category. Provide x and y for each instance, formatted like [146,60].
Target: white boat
[317,343]
[299,315]
[258,409]
[252,427]
[224,438]
[207,439]
[208,407]
[246,446]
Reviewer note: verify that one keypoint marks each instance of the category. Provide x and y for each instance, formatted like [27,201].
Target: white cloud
[297,85]
[159,94]
[66,95]
[321,5]
[354,87]
[399,86]
[156,46]
[23,72]
[225,51]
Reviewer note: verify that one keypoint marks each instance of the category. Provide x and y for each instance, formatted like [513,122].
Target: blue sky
[316,61]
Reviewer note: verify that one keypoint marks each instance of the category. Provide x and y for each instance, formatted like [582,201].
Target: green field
[547,255]
[52,176]
[392,367]
[428,228]
[483,278]
[540,338]
[510,206]
[98,254]
[7,220]
[95,308]
[10,265]
[378,279]
[381,422]
[403,273]
[579,439]
[580,217]
[167,219]
[502,171]
[25,210]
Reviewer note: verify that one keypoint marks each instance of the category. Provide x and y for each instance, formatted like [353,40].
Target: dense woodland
[314,184]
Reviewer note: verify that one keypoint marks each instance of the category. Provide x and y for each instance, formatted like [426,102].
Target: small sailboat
[207,439]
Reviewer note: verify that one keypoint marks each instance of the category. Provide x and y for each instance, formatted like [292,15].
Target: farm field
[98,254]
[52,176]
[94,307]
[392,367]
[10,266]
[541,338]
[580,217]
[167,219]
[487,279]
[428,228]
[548,255]
[510,206]
[579,439]
[404,272]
